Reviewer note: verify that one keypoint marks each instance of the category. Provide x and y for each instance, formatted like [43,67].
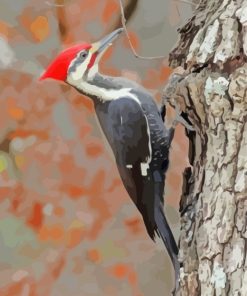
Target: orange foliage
[132,278]
[16,113]
[66,164]
[54,233]
[15,204]
[36,218]
[175,182]
[58,268]
[123,271]
[4,29]
[44,233]
[69,39]
[43,135]
[58,211]
[17,197]
[133,224]
[96,202]
[17,288]
[94,149]
[40,28]
[110,9]
[156,77]
[152,79]
[84,130]
[94,255]
[89,5]
[107,56]
[110,70]
[14,289]
[165,72]
[74,237]
[74,191]
[85,102]
[115,183]
[120,271]
[20,161]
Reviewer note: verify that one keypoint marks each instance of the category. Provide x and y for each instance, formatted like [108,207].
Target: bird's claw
[179,119]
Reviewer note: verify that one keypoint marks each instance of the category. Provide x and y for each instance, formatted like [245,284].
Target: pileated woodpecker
[133,127]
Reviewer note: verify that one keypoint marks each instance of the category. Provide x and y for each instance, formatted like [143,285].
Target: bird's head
[79,61]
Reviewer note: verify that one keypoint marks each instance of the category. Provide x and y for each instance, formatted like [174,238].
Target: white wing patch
[144,168]
[144,165]
[149,159]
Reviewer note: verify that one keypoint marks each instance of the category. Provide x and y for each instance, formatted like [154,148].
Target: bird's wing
[130,132]
[131,144]
[131,139]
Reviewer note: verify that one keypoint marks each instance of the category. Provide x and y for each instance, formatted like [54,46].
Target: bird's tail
[163,230]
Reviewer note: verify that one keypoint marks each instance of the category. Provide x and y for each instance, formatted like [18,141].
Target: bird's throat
[101,87]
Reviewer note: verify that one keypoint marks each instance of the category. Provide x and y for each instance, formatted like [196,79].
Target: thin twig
[128,37]
[123,21]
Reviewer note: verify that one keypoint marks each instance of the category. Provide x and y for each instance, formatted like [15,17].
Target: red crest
[59,67]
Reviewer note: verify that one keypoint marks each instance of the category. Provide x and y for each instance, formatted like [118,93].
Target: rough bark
[212,91]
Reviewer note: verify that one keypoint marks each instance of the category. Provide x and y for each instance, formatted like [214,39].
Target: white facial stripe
[92,71]
[80,68]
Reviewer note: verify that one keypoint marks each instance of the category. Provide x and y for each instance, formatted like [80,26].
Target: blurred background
[67,226]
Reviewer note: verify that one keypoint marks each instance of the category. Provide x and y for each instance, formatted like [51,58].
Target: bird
[132,125]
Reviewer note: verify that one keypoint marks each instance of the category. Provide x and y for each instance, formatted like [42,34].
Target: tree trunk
[212,91]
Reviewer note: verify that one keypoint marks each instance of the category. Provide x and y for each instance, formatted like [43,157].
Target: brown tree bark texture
[213,92]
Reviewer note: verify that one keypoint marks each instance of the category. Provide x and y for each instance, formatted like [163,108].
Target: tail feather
[157,223]
[164,231]
[154,218]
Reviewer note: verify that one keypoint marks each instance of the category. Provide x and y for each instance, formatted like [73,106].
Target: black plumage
[137,135]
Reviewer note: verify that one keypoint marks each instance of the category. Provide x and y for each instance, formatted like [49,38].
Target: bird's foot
[179,119]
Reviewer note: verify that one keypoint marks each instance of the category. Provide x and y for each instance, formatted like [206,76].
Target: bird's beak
[100,46]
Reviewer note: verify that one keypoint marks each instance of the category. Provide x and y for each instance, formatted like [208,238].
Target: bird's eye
[83,54]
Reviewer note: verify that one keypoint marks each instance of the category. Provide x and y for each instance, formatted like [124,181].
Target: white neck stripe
[102,93]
